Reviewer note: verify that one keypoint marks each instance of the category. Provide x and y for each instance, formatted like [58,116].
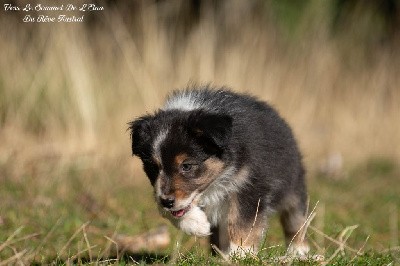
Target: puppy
[220,163]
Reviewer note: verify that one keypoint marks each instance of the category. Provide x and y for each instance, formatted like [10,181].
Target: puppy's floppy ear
[211,128]
[141,136]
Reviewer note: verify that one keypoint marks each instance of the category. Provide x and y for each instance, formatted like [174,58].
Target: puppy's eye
[187,167]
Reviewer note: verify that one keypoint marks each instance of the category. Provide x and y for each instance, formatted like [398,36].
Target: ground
[54,210]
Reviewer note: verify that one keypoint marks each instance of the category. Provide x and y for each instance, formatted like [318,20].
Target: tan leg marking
[244,237]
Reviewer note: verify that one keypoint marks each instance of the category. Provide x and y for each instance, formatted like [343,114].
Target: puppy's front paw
[195,222]
[298,249]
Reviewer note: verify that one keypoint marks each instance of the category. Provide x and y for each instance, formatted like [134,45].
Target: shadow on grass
[126,258]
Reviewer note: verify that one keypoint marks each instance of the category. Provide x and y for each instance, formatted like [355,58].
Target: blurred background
[68,90]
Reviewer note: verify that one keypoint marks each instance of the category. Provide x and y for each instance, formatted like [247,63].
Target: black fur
[239,130]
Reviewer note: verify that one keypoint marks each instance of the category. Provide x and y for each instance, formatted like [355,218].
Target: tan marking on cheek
[214,165]
[180,158]
[214,168]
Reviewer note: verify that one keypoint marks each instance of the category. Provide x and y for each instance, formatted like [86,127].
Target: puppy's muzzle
[167,202]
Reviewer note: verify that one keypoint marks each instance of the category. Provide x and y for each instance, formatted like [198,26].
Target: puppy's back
[261,140]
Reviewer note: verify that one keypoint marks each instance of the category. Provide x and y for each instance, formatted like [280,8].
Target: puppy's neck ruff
[214,198]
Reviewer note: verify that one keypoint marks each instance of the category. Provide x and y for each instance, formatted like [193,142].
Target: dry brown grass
[76,89]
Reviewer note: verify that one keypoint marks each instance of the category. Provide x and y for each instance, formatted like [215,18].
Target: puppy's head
[182,154]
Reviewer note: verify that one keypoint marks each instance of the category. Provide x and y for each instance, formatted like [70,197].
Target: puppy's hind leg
[293,220]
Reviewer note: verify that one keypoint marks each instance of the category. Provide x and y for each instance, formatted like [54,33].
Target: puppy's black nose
[167,202]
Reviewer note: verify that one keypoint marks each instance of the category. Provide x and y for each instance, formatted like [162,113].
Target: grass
[78,209]
[68,183]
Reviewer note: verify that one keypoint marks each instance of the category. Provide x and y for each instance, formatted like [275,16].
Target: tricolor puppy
[220,164]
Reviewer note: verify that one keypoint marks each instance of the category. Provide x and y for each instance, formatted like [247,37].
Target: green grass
[43,210]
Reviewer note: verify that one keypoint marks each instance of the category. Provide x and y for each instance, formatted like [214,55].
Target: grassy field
[68,183]
[60,210]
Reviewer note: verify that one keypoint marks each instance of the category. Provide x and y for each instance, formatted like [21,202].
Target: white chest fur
[195,222]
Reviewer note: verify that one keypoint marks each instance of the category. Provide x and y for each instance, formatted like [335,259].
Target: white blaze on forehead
[157,143]
[187,101]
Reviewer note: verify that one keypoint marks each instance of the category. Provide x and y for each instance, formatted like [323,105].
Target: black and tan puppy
[221,163]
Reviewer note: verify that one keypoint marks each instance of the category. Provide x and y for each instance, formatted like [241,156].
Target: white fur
[195,222]
[215,196]
[213,200]
[298,249]
[157,188]
[186,101]
[158,193]
[157,143]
